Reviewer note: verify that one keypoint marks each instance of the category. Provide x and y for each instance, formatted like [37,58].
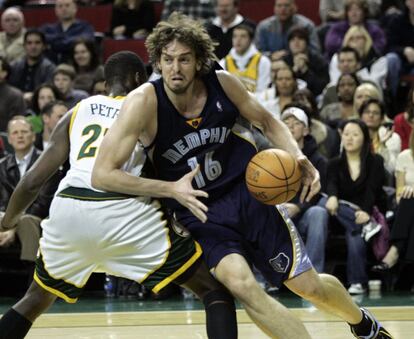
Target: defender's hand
[187,196]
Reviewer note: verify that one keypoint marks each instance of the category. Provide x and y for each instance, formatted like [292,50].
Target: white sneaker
[356,289]
[370,229]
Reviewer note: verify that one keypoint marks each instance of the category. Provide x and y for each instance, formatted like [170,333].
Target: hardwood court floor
[190,324]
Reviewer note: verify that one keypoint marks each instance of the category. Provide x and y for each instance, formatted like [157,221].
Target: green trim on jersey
[91,195]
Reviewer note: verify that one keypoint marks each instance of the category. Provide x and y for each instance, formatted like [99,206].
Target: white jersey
[91,119]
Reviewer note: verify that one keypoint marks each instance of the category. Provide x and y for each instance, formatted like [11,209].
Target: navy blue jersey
[213,140]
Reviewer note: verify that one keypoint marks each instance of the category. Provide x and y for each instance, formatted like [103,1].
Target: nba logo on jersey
[280,263]
[220,109]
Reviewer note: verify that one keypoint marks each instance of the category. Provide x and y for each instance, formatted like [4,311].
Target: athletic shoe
[370,229]
[356,289]
[377,330]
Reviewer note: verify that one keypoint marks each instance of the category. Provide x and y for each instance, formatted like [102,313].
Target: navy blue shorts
[264,235]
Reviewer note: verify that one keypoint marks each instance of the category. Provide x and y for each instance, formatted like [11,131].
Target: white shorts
[127,237]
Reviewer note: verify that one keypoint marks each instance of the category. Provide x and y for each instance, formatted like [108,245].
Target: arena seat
[111,46]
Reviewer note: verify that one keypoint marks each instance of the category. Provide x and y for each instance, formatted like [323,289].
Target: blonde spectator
[364,92]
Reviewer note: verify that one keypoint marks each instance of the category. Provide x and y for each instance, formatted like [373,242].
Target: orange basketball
[273,176]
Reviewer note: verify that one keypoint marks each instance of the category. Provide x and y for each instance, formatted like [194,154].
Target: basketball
[273,176]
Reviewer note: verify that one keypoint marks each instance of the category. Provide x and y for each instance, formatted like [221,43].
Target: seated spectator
[354,187]
[271,33]
[51,114]
[42,95]
[402,232]
[11,39]
[61,35]
[220,28]
[34,68]
[400,38]
[384,140]
[98,86]
[331,10]
[197,10]
[348,62]
[63,78]
[307,64]
[404,122]
[364,92]
[275,98]
[12,167]
[87,65]
[311,220]
[326,137]
[11,98]
[132,19]
[334,113]
[356,14]
[372,67]
[246,62]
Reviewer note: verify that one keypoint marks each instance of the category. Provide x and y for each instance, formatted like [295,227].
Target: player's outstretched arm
[275,130]
[46,165]
[137,122]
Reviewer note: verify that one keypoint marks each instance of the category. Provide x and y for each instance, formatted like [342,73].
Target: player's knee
[314,291]
[242,287]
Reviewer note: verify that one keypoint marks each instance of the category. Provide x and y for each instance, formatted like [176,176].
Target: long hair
[365,152]
[355,30]
[35,97]
[185,30]
[91,47]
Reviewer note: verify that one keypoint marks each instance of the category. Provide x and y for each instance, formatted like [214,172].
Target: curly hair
[185,30]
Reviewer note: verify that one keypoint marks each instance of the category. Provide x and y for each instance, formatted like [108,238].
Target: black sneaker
[377,330]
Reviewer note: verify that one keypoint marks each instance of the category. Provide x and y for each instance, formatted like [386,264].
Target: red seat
[111,46]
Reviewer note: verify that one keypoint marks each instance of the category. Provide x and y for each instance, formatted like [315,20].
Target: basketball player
[187,119]
[94,231]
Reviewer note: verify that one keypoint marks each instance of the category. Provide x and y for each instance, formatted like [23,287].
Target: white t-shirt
[405,163]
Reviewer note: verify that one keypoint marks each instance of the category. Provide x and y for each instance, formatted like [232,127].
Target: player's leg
[218,303]
[17,321]
[327,293]
[272,317]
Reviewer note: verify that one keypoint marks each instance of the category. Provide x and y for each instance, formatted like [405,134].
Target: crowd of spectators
[335,86]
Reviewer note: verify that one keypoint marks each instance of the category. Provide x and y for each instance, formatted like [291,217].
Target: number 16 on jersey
[212,169]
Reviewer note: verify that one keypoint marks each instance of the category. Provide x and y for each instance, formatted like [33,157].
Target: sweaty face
[178,66]
[241,41]
[352,138]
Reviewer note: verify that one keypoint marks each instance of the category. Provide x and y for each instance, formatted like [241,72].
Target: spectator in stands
[307,64]
[87,64]
[42,95]
[384,140]
[34,68]
[356,12]
[271,33]
[400,36]
[336,112]
[348,63]
[326,137]
[201,10]
[275,98]
[98,86]
[12,167]
[220,28]
[404,122]
[11,98]
[63,78]
[372,66]
[364,92]
[354,187]
[11,39]
[51,115]
[61,35]
[246,62]
[402,232]
[311,220]
[132,19]
[331,10]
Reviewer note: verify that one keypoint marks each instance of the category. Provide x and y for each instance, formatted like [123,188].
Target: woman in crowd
[385,141]
[354,187]
[404,122]
[402,232]
[42,95]
[87,65]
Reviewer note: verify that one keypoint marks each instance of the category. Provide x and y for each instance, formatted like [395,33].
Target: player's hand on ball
[187,196]
[311,183]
